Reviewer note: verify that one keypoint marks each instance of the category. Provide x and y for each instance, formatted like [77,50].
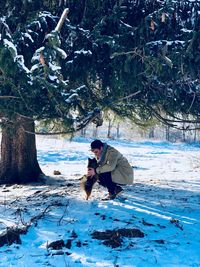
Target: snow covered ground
[163,204]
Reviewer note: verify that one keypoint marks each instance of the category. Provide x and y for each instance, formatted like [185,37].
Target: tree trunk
[167,133]
[109,129]
[95,132]
[195,135]
[118,133]
[18,152]
[183,136]
[152,132]
[83,132]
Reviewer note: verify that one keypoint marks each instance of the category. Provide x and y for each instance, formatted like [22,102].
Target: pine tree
[33,87]
[139,58]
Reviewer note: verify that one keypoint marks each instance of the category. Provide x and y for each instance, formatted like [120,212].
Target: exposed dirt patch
[11,235]
[58,244]
[114,238]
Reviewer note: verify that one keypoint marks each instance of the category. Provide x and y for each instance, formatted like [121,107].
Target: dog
[87,182]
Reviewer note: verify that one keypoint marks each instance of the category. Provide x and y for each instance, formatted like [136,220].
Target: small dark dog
[87,182]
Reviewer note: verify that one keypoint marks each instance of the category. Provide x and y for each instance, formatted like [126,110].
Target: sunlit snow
[163,202]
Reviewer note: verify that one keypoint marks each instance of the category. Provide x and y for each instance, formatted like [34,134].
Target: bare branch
[62,19]
[129,96]
[191,103]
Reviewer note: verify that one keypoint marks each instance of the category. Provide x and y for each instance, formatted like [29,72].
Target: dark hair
[96,144]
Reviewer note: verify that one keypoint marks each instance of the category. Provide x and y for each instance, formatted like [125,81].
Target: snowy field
[62,229]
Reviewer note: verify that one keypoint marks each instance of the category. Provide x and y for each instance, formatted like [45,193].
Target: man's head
[97,148]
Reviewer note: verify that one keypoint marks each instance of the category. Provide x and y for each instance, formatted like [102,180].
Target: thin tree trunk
[195,135]
[151,132]
[18,153]
[83,132]
[95,132]
[167,133]
[109,129]
[183,136]
[118,133]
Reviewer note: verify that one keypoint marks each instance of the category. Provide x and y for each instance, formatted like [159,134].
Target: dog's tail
[87,183]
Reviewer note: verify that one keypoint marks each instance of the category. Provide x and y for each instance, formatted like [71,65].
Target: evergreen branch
[129,96]
[177,119]
[24,116]
[9,96]
[44,133]
[194,96]
[170,122]
[134,52]
[95,118]
[24,101]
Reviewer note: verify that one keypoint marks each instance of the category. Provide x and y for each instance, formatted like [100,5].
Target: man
[113,168]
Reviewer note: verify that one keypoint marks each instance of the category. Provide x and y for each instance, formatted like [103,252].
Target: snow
[186,30]
[83,52]
[163,202]
[29,37]
[61,52]
[52,77]
[11,46]
[34,67]
[54,67]
[20,60]
[72,98]
[36,56]
[165,42]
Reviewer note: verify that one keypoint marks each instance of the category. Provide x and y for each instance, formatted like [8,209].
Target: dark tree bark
[18,152]
[152,132]
[167,133]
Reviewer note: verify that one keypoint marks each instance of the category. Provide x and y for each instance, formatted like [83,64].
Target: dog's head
[92,163]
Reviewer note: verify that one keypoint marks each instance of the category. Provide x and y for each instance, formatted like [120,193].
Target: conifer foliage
[140,58]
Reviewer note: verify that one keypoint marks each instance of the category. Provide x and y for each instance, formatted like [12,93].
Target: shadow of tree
[165,215]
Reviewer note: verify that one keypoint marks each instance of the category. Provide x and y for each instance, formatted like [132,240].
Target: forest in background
[113,129]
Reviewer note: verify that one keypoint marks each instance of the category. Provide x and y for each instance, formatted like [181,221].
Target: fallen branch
[39,216]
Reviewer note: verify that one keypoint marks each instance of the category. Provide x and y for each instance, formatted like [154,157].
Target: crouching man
[113,168]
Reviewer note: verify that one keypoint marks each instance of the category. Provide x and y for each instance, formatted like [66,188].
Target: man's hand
[91,172]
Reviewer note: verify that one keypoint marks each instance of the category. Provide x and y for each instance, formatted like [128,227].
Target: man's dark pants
[106,180]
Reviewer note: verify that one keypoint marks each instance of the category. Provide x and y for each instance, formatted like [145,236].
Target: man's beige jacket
[118,165]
